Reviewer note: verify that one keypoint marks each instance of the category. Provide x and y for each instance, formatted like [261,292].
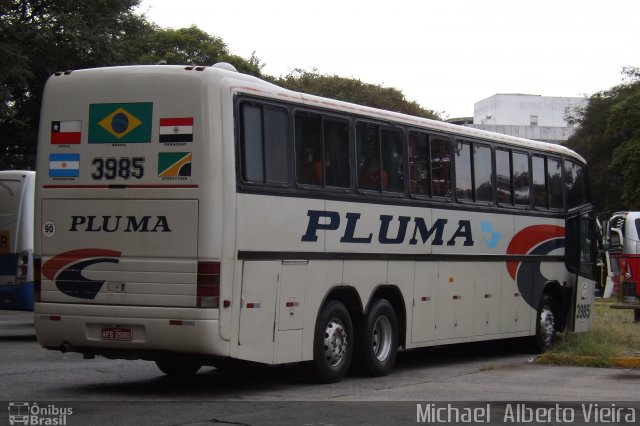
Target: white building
[536,117]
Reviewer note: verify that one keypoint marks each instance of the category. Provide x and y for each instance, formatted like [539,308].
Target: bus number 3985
[583,311]
[112,168]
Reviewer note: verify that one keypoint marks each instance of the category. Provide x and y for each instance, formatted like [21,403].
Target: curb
[589,361]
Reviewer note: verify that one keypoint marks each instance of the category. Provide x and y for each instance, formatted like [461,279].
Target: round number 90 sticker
[48,228]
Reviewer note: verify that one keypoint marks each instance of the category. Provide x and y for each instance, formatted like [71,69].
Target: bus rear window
[9,196]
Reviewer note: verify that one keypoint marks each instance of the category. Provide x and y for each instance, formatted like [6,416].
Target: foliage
[194,47]
[352,90]
[613,333]
[40,37]
[608,137]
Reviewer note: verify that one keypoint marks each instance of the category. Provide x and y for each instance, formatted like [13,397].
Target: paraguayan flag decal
[176,129]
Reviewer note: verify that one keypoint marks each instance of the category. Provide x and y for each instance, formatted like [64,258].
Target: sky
[445,54]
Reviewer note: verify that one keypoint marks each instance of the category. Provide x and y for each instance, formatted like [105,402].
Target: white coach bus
[193,215]
[17,191]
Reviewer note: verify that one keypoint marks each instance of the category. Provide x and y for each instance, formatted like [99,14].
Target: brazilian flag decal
[174,164]
[120,123]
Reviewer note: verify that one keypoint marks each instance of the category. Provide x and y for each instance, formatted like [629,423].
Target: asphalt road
[476,376]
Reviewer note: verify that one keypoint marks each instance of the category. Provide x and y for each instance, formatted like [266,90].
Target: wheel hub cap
[335,342]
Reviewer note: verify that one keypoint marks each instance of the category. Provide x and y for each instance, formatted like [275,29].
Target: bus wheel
[545,324]
[178,368]
[333,343]
[378,339]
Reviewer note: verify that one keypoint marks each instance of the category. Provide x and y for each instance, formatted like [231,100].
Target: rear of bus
[128,213]
[16,239]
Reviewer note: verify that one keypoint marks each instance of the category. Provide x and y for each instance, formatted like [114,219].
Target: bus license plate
[116,333]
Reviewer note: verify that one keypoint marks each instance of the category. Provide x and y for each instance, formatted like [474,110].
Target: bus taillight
[37,282]
[208,294]
[22,267]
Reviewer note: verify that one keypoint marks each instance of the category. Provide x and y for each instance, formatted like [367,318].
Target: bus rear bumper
[129,332]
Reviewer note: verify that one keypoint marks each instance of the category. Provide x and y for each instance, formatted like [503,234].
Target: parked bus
[626,258]
[195,215]
[16,239]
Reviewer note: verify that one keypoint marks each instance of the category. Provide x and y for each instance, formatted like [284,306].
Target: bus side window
[441,167]
[482,173]
[539,182]
[554,180]
[419,163]
[322,151]
[336,153]
[368,157]
[521,173]
[392,160]
[575,184]
[464,189]
[308,143]
[264,144]
[503,176]
[253,167]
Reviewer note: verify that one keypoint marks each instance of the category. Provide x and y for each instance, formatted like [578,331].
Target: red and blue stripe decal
[66,269]
[533,240]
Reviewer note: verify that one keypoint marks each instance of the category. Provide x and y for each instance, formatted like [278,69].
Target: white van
[16,239]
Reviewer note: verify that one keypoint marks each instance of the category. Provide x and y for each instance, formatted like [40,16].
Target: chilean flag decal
[66,132]
[532,240]
[66,269]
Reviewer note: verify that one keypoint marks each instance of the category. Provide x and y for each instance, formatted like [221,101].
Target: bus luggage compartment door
[258,303]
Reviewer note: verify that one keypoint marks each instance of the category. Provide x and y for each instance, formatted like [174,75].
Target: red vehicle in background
[625,226]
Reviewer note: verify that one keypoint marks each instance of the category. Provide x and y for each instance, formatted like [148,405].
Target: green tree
[352,90]
[192,46]
[608,137]
[40,37]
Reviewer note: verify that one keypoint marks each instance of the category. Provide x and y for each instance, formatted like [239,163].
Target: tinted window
[419,163]
[575,183]
[264,144]
[392,161]
[253,166]
[554,182]
[521,179]
[463,171]
[441,167]
[482,172]
[336,151]
[308,138]
[539,182]
[503,177]
[322,151]
[380,158]
[275,143]
[368,152]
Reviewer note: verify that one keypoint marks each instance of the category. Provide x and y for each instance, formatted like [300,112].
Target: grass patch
[613,334]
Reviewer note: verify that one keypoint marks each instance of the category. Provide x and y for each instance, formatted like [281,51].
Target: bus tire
[178,368]
[333,343]
[377,339]
[546,319]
